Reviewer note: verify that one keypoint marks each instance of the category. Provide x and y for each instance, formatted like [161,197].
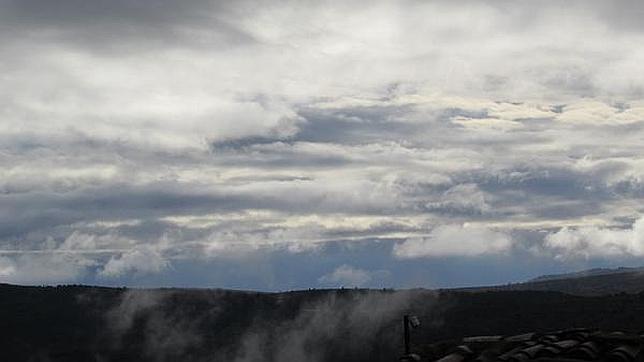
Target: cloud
[454,240]
[7,267]
[44,268]
[139,261]
[232,128]
[462,198]
[595,112]
[482,124]
[346,275]
[53,261]
[122,25]
[597,242]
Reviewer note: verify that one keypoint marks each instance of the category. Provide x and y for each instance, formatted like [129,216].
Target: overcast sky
[278,145]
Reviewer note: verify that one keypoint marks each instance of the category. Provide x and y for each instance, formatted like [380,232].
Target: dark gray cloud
[122,26]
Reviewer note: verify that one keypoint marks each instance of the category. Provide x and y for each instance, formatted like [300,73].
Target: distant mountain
[593,282]
[586,273]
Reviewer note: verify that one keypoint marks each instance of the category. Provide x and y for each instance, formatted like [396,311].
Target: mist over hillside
[82,323]
[88,323]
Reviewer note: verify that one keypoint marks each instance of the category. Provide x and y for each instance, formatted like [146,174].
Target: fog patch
[313,325]
[166,335]
[351,325]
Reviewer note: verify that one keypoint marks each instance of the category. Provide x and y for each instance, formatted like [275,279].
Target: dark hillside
[77,323]
[511,312]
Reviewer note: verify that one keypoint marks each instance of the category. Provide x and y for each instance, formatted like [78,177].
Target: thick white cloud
[454,240]
[138,260]
[597,242]
[44,267]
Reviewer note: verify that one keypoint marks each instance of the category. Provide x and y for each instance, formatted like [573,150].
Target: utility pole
[407,334]
[409,321]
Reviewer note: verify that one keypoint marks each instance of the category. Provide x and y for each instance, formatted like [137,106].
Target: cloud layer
[138,137]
